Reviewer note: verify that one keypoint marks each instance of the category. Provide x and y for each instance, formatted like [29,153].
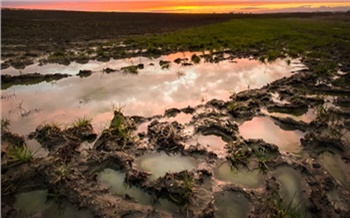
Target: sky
[184,6]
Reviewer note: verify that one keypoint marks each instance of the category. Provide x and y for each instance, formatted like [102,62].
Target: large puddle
[150,92]
[264,128]
[160,163]
[38,204]
[242,177]
[115,180]
[337,168]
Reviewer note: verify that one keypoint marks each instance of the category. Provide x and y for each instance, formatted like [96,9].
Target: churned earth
[214,121]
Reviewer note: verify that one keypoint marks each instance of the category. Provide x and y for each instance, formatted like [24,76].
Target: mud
[27,79]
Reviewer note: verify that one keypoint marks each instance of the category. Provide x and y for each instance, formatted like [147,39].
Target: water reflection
[308,117]
[212,143]
[115,180]
[264,128]
[36,204]
[241,177]
[151,92]
[160,163]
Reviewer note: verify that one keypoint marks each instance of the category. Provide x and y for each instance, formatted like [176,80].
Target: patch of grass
[325,68]
[19,154]
[233,106]
[263,158]
[132,69]
[82,122]
[310,37]
[283,210]
[195,59]
[61,171]
[238,156]
[164,64]
[322,113]
[5,123]
[120,127]
[288,61]
[58,54]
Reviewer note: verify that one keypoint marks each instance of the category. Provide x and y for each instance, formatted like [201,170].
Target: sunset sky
[183,6]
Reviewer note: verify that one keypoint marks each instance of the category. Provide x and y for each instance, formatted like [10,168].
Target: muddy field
[169,133]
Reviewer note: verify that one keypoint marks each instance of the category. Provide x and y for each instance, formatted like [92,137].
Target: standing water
[150,92]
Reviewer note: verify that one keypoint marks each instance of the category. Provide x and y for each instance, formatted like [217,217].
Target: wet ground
[173,137]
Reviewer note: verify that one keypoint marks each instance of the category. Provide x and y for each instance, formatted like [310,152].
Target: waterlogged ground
[150,92]
[231,138]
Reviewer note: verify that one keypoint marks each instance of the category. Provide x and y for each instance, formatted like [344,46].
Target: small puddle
[36,149]
[277,99]
[142,128]
[210,142]
[231,204]
[308,117]
[337,168]
[264,128]
[290,186]
[160,163]
[148,93]
[115,180]
[182,118]
[241,177]
[38,204]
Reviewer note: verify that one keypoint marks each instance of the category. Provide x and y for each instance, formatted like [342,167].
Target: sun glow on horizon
[184,6]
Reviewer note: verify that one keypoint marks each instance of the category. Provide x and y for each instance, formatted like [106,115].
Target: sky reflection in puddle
[264,128]
[150,92]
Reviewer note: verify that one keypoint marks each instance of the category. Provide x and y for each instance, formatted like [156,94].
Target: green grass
[19,154]
[195,59]
[82,122]
[270,37]
[132,69]
[119,126]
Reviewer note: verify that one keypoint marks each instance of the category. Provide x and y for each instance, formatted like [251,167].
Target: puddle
[264,128]
[150,92]
[308,117]
[277,99]
[231,204]
[242,177]
[337,168]
[160,163]
[115,180]
[210,142]
[290,185]
[142,128]
[182,118]
[37,204]
[36,149]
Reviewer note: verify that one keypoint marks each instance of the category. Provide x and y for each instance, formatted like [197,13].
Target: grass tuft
[19,154]
[5,123]
[82,122]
